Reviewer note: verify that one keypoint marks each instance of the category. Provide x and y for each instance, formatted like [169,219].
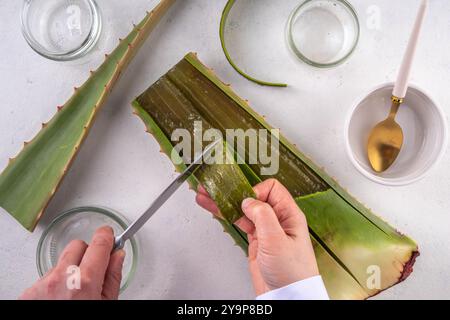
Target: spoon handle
[401,86]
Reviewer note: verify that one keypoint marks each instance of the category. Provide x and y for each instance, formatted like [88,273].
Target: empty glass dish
[61,29]
[81,223]
[323,33]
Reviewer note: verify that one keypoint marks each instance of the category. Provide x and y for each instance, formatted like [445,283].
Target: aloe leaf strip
[223,21]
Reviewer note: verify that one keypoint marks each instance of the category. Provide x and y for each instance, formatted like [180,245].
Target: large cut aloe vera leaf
[31,179]
[350,242]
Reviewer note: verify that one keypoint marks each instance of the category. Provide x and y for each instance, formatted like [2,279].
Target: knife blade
[120,240]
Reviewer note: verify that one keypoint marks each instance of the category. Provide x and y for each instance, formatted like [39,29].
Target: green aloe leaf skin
[348,239]
[223,22]
[32,178]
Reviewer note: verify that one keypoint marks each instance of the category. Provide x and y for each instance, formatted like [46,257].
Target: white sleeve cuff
[308,289]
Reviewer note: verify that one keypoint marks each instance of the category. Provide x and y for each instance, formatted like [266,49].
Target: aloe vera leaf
[223,22]
[31,179]
[343,270]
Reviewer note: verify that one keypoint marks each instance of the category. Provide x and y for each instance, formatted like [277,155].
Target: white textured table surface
[185,253]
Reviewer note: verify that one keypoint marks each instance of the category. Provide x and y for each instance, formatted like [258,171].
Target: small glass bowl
[61,30]
[81,223]
[323,33]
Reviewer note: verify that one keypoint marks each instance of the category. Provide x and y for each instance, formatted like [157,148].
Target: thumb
[113,277]
[263,217]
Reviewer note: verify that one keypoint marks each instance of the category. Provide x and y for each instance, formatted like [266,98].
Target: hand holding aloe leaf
[280,249]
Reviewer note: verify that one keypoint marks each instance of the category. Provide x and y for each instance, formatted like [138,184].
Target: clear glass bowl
[81,223]
[61,30]
[323,33]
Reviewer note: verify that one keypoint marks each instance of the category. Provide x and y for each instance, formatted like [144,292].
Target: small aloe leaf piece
[31,179]
[223,22]
[354,247]
[227,193]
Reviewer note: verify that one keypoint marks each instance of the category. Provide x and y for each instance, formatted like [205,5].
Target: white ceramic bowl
[424,127]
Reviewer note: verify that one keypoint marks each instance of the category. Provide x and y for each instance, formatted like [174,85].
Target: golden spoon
[386,139]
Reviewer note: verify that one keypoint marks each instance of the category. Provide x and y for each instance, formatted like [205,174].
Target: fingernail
[107,228]
[246,203]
